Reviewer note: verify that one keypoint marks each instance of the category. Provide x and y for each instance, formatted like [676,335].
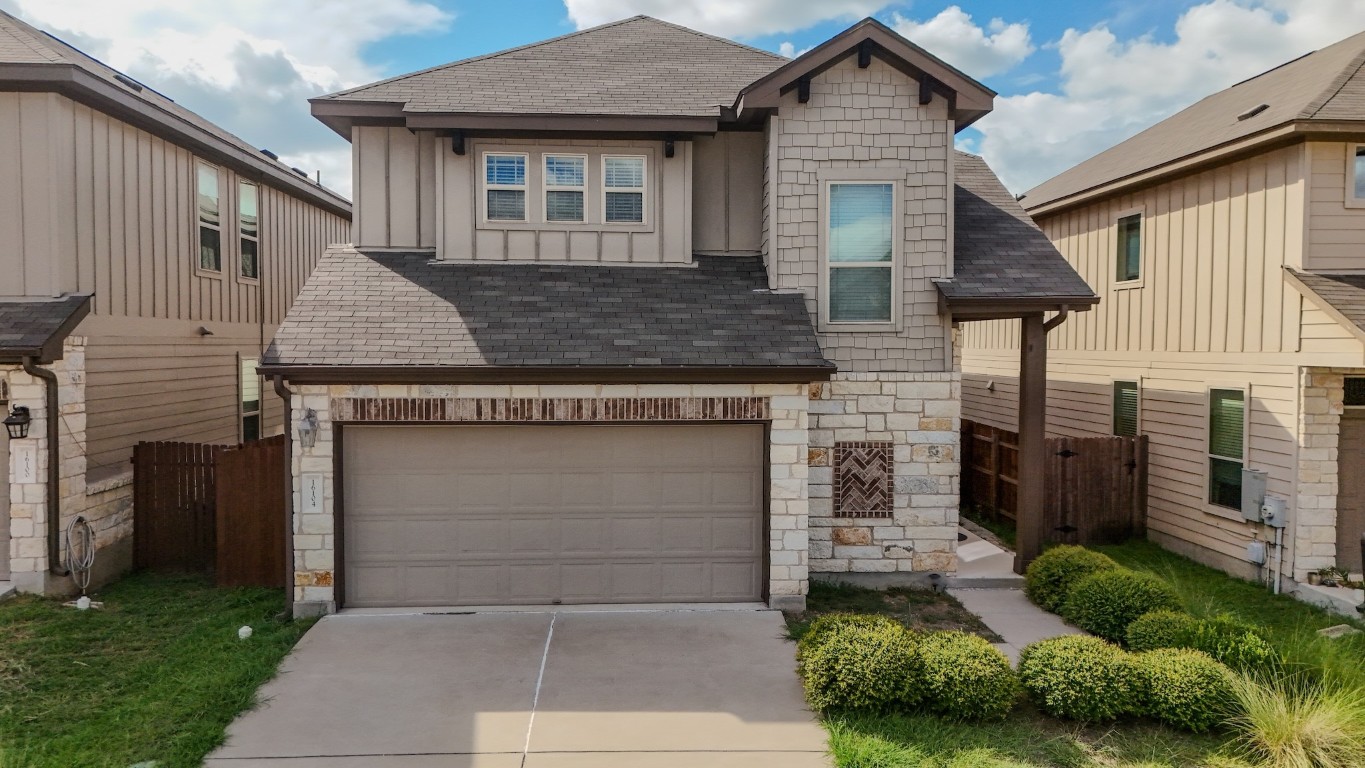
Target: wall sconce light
[308,428]
[16,423]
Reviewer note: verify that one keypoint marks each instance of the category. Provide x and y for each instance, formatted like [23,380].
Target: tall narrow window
[248,220]
[1126,408]
[1358,166]
[1129,250]
[1227,445]
[623,189]
[505,186]
[250,389]
[210,235]
[860,252]
[564,187]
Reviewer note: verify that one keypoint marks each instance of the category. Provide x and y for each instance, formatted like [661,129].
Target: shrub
[1048,579]
[1161,629]
[823,626]
[1105,603]
[1081,678]
[1184,688]
[1227,639]
[863,666]
[1297,723]
[967,678]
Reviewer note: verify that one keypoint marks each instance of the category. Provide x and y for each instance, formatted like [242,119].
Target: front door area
[1351,492]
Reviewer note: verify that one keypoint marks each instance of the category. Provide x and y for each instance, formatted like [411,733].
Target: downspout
[1057,319]
[54,466]
[288,397]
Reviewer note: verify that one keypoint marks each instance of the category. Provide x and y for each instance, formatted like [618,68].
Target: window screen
[1126,408]
[1129,248]
[860,252]
[1227,433]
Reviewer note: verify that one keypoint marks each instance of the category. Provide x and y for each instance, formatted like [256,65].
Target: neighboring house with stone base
[1227,243]
[639,314]
[146,256]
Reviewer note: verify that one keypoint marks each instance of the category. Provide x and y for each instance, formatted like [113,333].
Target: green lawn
[156,675]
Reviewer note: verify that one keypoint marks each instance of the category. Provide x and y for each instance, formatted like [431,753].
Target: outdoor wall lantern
[16,423]
[308,428]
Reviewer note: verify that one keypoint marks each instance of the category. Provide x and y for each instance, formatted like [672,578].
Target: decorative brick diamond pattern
[539,409]
[863,479]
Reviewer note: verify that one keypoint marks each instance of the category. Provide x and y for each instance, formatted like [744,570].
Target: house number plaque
[312,492]
[25,462]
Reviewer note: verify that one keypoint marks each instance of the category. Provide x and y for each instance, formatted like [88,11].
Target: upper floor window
[1126,408]
[210,234]
[1357,180]
[505,186]
[860,252]
[1129,265]
[564,184]
[1227,446]
[248,223]
[623,189]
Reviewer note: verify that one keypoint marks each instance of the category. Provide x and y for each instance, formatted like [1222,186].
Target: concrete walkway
[1010,614]
[565,688]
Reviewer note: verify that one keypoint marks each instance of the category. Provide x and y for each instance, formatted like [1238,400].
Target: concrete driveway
[570,688]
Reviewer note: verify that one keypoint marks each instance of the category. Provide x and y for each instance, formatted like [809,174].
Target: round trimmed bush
[1105,603]
[1161,629]
[823,626]
[967,678]
[1048,579]
[863,666]
[1235,643]
[1079,677]
[1185,688]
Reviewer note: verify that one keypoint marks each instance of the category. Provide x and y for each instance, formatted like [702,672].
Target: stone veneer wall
[1322,396]
[313,468]
[108,507]
[865,119]
[920,413]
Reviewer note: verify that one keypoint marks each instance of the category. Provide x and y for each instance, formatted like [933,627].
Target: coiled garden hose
[80,551]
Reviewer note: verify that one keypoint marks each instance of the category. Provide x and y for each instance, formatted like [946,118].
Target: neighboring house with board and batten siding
[1227,244]
[146,258]
[639,314]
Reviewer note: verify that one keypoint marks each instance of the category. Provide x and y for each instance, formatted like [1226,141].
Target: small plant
[823,626]
[1333,576]
[967,678]
[1161,629]
[1291,722]
[1081,678]
[1048,579]
[1105,603]
[1185,688]
[871,666]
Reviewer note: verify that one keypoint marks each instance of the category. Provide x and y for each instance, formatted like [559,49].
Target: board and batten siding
[106,208]
[727,192]
[394,178]
[1212,309]
[1336,232]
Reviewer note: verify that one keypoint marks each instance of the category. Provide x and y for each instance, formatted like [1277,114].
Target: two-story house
[146,256]
[639,314]
[1227,243]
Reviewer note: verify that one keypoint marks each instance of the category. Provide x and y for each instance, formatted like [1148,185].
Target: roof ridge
[486,56]
[1330,92]
[33,38]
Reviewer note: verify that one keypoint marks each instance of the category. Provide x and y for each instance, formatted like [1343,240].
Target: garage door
[480,515]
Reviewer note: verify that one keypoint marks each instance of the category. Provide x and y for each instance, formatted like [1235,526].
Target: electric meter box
[1253,494]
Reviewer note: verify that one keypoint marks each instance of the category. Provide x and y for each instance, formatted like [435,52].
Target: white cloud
[955,38]
[727,18]
[1110,89]
[247,65]
[790,50]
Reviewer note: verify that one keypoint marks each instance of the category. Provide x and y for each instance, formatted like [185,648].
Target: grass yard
[922,610]
[156,675]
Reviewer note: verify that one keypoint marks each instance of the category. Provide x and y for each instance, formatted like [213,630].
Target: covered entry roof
[37,327]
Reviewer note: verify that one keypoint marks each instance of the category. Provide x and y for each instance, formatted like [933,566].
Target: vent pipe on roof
[270,154]
[128,81]
[1254,111]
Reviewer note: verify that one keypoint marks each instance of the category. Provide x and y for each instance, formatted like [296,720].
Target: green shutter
[1227,420]
[1126,408]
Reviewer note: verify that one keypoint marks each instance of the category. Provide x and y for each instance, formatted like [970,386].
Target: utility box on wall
[1253,494]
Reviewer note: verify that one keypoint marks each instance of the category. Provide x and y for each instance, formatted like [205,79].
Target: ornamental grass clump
[967,678]
[1298,722]
[1105,603]
[1078,677]
[856,666]
[1049,579]
[1185,688]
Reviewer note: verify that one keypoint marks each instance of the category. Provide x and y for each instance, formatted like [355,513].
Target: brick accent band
[536,409]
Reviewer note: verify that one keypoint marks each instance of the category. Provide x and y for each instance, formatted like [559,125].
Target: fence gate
[251,515]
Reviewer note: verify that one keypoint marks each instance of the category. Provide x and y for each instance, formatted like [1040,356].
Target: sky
[1074,77]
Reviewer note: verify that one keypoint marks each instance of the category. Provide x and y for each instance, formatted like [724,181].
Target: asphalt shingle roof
[1345,293]
[638,66]
[1328,84]
[32,326]
[999,253]
[405,309]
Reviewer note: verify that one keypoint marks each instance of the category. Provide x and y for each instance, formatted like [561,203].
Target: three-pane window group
[565,187]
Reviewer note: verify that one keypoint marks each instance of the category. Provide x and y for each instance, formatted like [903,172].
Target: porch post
[1032,425]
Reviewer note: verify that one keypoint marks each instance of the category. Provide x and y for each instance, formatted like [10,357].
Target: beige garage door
[480,515]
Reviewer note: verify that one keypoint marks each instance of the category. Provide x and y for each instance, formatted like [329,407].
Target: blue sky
[1074,77]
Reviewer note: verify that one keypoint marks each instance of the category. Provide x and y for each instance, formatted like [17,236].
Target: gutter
[288,397]
[54,465]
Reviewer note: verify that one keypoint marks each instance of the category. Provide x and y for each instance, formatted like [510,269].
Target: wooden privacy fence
[1095,488]
[211,508]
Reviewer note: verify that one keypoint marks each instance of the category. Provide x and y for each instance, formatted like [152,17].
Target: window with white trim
[249,391]
[1126,408]
[860,252]
[1227,446]
[1356,182]
[248,224]
[1128,266]
[623,189]
[504,186]
[210,223]
[565,180]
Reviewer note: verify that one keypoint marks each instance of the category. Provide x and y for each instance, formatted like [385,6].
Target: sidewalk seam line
[540,678]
